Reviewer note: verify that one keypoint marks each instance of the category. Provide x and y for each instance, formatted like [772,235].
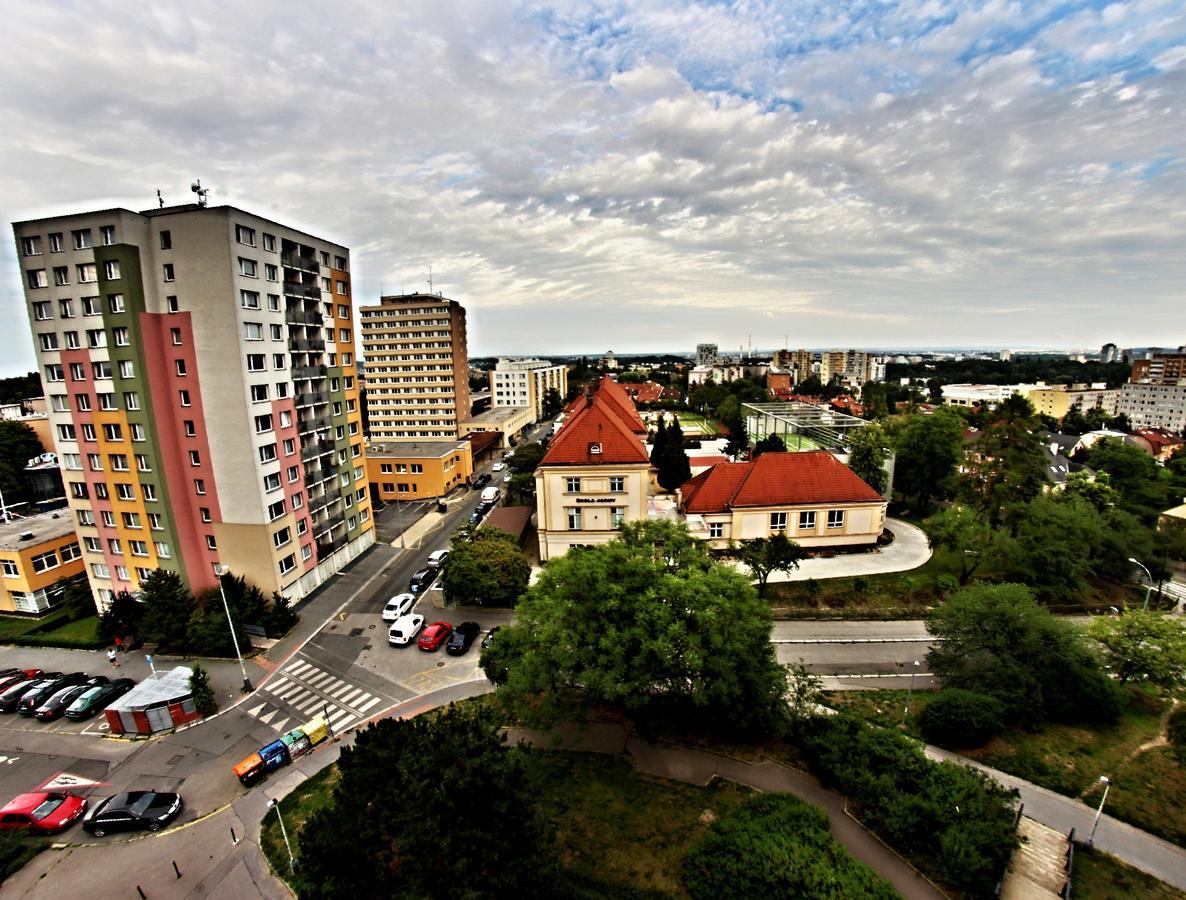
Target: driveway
[909,550]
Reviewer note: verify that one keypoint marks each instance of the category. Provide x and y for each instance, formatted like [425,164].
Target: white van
[489,495]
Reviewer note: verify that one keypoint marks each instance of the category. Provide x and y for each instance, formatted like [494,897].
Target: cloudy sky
[646,175]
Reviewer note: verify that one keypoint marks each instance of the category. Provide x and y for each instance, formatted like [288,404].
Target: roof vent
[595,449]
[26,535]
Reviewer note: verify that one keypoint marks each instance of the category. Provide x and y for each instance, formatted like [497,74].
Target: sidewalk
[909,550]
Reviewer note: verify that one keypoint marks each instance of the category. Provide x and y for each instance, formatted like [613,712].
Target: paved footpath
[909,550]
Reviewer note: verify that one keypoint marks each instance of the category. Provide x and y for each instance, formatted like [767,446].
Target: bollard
[175,869]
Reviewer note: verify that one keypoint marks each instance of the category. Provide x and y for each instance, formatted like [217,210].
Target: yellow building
[34,553]
[1057,401]
[509,420]
[417,470]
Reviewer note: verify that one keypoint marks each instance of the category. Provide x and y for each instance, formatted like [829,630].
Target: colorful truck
[281,752]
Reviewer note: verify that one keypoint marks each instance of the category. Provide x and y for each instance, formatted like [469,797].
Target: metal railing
[298,261]
[297,316]
[313,423]
[311,399]
[314,449]
[306,345]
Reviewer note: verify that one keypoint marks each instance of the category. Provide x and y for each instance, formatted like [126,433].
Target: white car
[399,605]
[506,477]
[498,467]
[404,629]
[436,559]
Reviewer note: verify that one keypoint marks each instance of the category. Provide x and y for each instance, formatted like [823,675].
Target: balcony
[297,261]
[308,372]
[313,423]
[300,289]
[314,449]
[312,399]
[294,315]
[307,345]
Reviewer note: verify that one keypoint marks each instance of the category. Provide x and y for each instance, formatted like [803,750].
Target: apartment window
[175,336]
[256,362]
[94,462]
[572,485]
[276,332]
[58,403]
[807,520]
[118,461]
[183,398]
[86,517]
[100,571]
[778,521]
[142,463]
[272,481]
[127,369]
[617,515]
[88,432]
[245,235]
[166,240]
[138,548]
[574,519]
[155,522]
[254,331]
[77,372]
[341,286]
[162,550]
[195,458]
[276,510]
[120,335]
[267,453]
[49,341]
[282,389]
[326,286]
[82,402]
[288,564]
[340,263]
[55,243]
[249,299]
[131,520]
[61,275]
[289,446]
[125,491]
[274,302]
[113,432]
[271,272]
[78,490]
[325,258]
[211,544]
[171,303]
[167,272]
[107,235]
[82,239]
[137,431]
[190,430]
[263,423]
[835,518]
[269,242]
[111,270]
[88,273]
[617,484]
[66,309]
[294,474]
[285,419]
[72,342]
[93,544]
[43,310]
[306,550]
[31,246]
[716,529]
[96,338]
[204,512]
[277,360]
[179,366]
[199,487]
[131,400]
[259,392]
[282,537]
[248,268]
[115,302]
[10,569]
[343,336]
[37,278]
[298,500]
[91,307]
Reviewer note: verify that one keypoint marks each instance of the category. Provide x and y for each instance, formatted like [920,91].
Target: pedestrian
[111,658]
[119,644]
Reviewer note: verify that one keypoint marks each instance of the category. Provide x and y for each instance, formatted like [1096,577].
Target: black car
[475,518]
[17,676]
[489,638]
[482,480]
[421,580]
[462,638]
[133,811]
[12,696]
[56,705]
[30,700]
[94,699]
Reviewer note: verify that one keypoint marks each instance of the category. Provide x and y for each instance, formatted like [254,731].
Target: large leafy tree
[868,449]
[18,444]
[434,806]
[765,556]
[669,457]
[1007,467]
[168,606]
[1140,482]
[485,567]
[553,402]
[928,449]
[970,539]
[1143,646]
[527,457]
[772,443]
[1056,542]
[647,618]
[995,639]
[122,617]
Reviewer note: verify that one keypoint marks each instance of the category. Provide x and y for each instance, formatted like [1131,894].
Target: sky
[645,176]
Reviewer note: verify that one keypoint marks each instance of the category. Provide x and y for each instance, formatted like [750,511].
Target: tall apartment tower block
[706,355]
[525,382]
[199,364]
[417,367]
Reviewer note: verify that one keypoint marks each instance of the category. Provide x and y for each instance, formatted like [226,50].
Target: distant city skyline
[647,176]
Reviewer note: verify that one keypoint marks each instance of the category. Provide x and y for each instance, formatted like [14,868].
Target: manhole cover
[355,632]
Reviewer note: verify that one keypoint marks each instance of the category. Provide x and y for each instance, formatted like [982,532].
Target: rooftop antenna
[197,188]
[430,279]
[159,199]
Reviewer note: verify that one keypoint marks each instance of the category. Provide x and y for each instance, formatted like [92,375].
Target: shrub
[957,718]
[1176,731]
[776,845]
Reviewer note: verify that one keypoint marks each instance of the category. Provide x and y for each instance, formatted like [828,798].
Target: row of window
[576,518]
[86,273]
[778,520]
[392,312]
[80,239]
[246,236]
[617,484]
[43,562]
[400,468]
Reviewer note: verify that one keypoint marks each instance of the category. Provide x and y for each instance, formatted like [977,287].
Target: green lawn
[616,833]
[1098,876]
[77,631]
[11,627]
[1148,787]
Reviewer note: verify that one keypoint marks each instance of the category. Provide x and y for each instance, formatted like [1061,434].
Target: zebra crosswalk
[302,690]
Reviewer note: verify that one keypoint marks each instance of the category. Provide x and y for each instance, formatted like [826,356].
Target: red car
[434,635]
[43,812]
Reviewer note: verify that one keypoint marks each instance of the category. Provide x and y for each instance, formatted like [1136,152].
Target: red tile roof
[599,422]
[612,392]
[776,479]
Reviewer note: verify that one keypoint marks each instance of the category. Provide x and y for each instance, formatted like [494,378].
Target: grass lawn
[78,630]
[615,832]
[1148,787]
[11,627]
[1098,876]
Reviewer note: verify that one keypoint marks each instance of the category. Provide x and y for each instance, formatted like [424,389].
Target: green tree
[875,400]
[775,845]
[772,443]
[969,538]
[280,618]
[203,694]
[996,640]
[1141,483]
[18,444]
[805,693]
[520,489]
[764,556]
[526,458]
[738,444]
[928,449]
[669,457]
[76,597]
[488,569]
[472,830]
[207,633]
[956,718]
[168,606]
[122,617]
[1142,646]
[553,403]
[1007,467]
[868,449]
[1055,537]
[648,618]
[1094,489]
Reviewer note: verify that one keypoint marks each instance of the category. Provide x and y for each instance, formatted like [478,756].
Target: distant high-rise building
[1160,368]
[832,364]
[200,369]
[706,355]
[1109,353]
[417,367]
[1005,355]
[525,382]
[1154,405]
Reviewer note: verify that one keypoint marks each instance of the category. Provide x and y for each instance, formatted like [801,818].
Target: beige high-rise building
[525,382]
[417,367]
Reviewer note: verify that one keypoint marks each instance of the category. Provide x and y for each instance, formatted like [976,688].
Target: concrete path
[909,550]
[700,767]
[1145,851]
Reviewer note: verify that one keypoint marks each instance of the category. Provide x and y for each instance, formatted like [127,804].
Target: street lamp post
[247,688]
[1148,575]
[275,804]
[1099,812]
[909,693]
[399,518]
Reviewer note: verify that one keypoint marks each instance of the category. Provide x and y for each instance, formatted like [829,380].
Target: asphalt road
[858,655]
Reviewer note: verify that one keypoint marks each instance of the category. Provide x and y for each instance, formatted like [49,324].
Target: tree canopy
[765,556]
[928,449]
[1142,646]
[868,449]
[18,444]
[485,567]
[668,455]
[647,618]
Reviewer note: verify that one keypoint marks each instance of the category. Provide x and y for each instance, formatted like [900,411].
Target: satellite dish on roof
[48,457]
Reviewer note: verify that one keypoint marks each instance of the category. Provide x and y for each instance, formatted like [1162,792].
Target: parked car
[498,467]
[405,629]
[434,635]
[475,518]
[506,478]
[16,676]
[482,480]
[489,638]
[94,699]
[462,638]
[32,699]
[436,559]
[133,811]
[56,705]
[397,606]
[42,812]
[11,697]
[422,580]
